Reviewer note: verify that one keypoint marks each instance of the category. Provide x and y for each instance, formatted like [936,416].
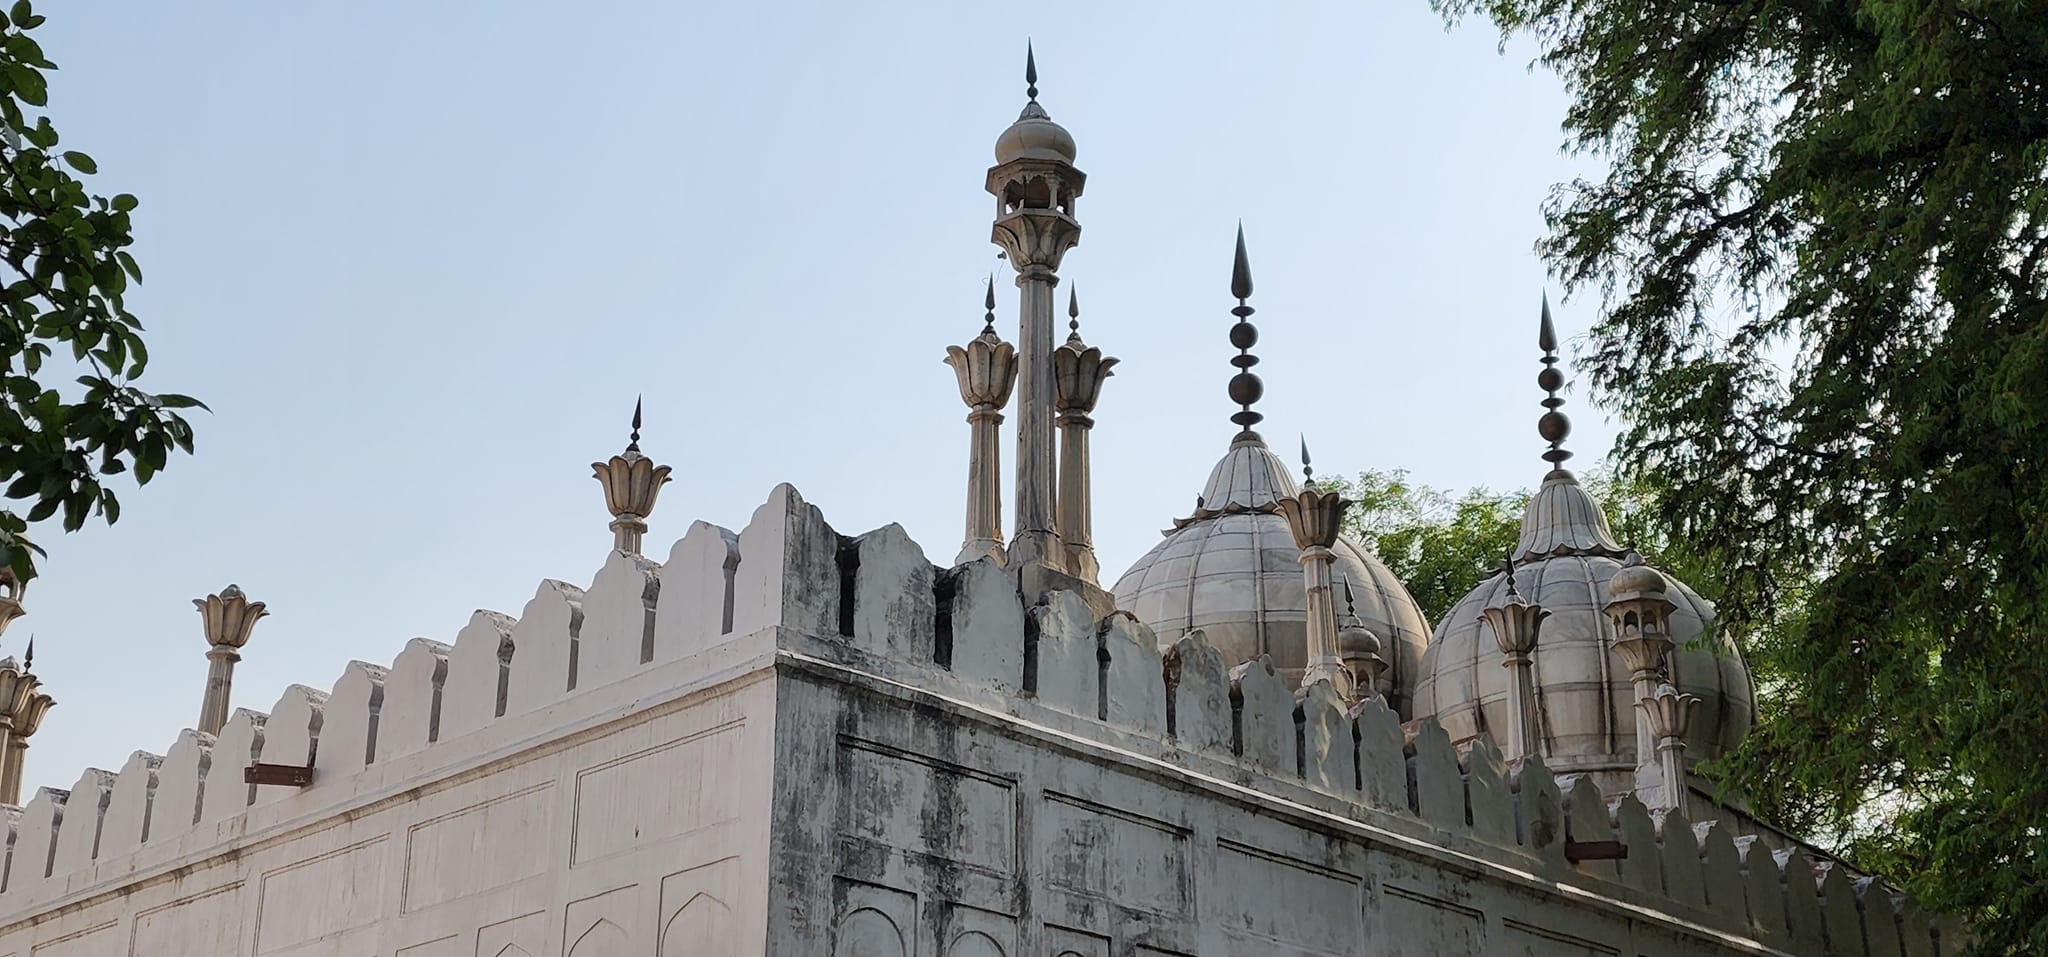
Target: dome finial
[1030,72]
[1245,388]
[1074,313]
[988,303]
[1308,474]
[633,440]
[1553,426]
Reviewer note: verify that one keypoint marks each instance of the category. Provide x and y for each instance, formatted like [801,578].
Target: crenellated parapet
[873,607]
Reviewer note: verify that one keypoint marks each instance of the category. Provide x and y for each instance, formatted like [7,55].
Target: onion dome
[1568,561]
[1034,135]
[1233,570]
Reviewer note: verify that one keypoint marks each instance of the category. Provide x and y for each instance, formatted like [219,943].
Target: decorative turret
[631,483]
[1079,370]
[1035,185]
[1360,649]
[1667,713]
[1515,625]
[22,706]
[987,369]
[229,618]
[1316,518]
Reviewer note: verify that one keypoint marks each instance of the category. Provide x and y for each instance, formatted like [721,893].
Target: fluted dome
[1035,136]
[1569,562]
[1232,569]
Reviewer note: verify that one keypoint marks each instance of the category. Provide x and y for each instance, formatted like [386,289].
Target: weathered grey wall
[786,741]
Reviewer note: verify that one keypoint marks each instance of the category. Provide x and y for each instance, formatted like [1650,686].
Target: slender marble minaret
[1035,184]
[22,707]
[1516,624]
[1079,371]
[1316,518]
[229,618]
[987,369]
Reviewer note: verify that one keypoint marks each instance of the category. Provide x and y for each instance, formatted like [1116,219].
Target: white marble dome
[1232,569]
[1565,561]
[1035,136]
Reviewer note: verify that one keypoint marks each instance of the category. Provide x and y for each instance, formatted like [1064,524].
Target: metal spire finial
[1553,426]
[633,440]
[1350,603]
[988,327]
[1245,388]
[1507,565]
[28,658]
[1074,313]
[1030,72]
[1308,475]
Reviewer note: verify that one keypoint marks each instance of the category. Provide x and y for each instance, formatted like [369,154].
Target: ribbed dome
[1232,569]
[1586,704]
[1035,136]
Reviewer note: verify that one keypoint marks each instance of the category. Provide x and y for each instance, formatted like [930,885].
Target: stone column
[228,617]
[1516,624]
[25,705]
[1037,535]
[631,483]
[17,688]
[987,370]
[1315,518]
[1078,372]
[1667,714]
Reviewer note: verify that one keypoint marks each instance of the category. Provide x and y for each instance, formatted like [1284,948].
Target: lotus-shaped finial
[1078,372]
[1314,516]
[987,369]
[229,617]
[631,483]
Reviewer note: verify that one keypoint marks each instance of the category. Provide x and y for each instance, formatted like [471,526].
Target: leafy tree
[1821,250]
[67,269]
[1437,545]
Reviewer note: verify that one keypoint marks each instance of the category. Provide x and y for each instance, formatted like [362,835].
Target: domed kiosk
[1568,561]
[1232,569]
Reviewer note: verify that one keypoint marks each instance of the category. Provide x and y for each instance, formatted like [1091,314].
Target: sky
[420,258]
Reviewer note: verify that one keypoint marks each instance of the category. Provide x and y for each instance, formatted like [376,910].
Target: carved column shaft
[1037,536]
[220,685]
[1323,660]
[7,760]
[1076,524]
[10,774]
[984,485]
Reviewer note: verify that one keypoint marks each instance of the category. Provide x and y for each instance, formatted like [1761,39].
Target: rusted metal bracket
[1576,851]
[280,775]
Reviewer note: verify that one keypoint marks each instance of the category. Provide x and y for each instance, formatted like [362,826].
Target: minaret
[1516,625]
[1035,185]
[228,618]
[1316,518]
[22,707]
[1079,370]
[987,369]
[631,483]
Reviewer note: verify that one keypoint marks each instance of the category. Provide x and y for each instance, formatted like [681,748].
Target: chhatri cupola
[1617,631]
[1233,569]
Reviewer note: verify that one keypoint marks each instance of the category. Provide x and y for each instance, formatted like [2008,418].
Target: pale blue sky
[420,257]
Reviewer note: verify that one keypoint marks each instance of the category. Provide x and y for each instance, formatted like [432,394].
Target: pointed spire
[1030,72]
[1074,313]
[1553,426]
[28,658]
[988,327]
[1245,388]
[1507,565]
[1241,271]
[1350,602]
[1308,474]
[633,440]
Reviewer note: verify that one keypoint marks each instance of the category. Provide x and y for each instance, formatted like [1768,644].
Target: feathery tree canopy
[1819,250]
[66,270]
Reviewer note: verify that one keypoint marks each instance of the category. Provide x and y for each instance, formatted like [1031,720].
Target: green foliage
[1439,546]
[1820,250]
[67,269]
